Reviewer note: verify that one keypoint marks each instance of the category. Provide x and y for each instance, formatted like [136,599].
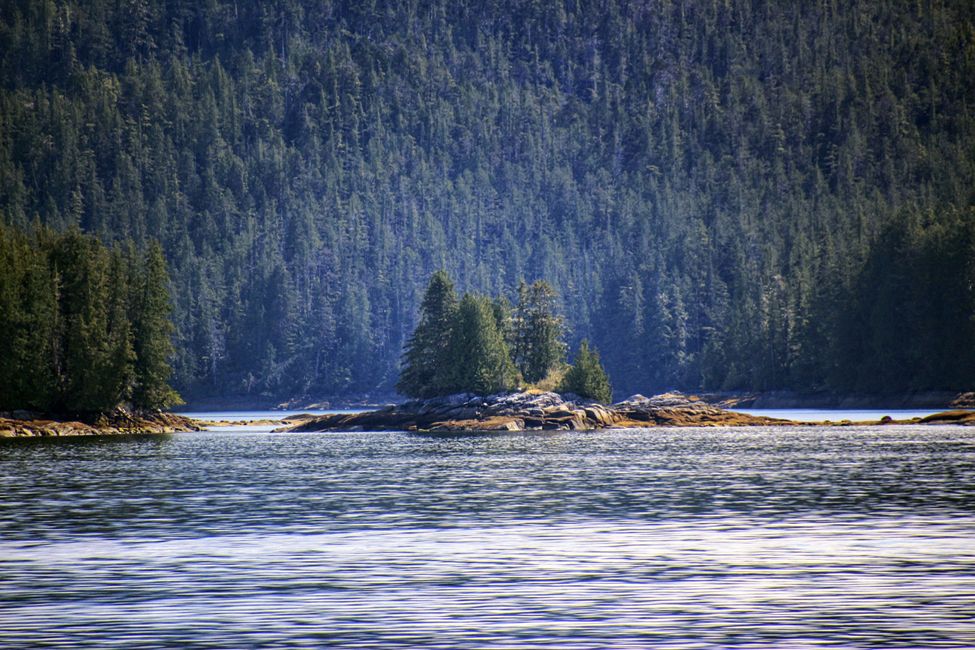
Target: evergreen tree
[504,319]
[81,263]
[119,366]
[38,346]
[538,331]
[12,342]
[66,312]
[478,360]
[153,335]
[586,377]
[424,360]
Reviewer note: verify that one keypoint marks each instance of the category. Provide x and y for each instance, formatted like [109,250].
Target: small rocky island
[480,364]
[534,411]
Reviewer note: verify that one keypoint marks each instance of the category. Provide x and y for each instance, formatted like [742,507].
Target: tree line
[484,346]
[85,327]
[726,195]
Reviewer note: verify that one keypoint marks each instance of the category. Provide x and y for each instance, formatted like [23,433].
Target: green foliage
[425,357]
[538,331]
[478,360]
[67,310]
[709,186]
[120,369]
[909,321]
[28,320]
[460,347]
[552,382]
[153,335]
[457,347]
[586,377]
[504,319]
[81,264]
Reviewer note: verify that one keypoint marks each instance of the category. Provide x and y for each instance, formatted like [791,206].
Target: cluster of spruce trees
[85,328]
[485,346]
[727,195]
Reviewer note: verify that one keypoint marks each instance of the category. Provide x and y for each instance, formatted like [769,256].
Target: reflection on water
[666,537]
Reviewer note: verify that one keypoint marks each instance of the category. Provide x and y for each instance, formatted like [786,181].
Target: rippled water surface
[805,537]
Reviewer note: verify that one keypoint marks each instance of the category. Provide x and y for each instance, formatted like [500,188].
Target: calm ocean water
[773,537]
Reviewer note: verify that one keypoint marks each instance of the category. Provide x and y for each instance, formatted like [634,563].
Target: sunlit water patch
[796,537]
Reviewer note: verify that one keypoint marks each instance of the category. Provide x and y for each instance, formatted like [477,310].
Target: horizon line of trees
[86,328]
[481,345]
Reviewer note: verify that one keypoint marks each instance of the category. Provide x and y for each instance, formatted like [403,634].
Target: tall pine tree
[478,359]
[153,335]
[538,331]
[425,357]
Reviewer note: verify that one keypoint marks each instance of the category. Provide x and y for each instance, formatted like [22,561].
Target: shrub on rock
[587,378]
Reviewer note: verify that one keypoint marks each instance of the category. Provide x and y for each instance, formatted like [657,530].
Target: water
[772,537]
[241,416]
[838,415]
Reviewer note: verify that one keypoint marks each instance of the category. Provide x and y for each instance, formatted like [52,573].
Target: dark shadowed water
[808,537]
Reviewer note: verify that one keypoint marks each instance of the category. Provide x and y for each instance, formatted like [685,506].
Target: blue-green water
[854,537]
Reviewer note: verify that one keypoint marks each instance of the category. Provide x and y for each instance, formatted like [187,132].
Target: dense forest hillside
[85,328]
[725,194]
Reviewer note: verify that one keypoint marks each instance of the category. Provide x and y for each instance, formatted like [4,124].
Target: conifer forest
[722,194]
[86,328]
[482,345]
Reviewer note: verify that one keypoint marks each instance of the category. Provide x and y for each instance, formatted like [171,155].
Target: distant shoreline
[668,410]
[931,400]
[259,403]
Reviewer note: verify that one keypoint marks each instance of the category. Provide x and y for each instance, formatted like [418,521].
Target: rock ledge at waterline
[21,424]
[528,411]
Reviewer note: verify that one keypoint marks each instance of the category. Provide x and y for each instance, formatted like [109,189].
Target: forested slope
[726,194]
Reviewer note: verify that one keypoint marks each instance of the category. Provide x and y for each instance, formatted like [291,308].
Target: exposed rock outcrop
[21,424]
[966,418]
[533,411]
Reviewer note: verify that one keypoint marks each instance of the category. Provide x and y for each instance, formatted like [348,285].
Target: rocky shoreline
[527,411]
[535,411]
[120,422]
[959,417]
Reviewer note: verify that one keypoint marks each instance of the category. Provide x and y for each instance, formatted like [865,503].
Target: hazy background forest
[727,195]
